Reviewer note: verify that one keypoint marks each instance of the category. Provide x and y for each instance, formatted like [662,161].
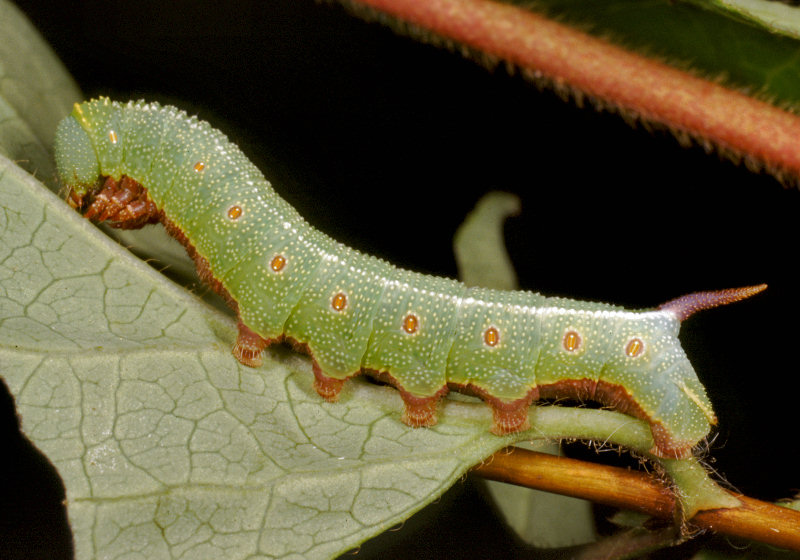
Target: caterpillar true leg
[124,204]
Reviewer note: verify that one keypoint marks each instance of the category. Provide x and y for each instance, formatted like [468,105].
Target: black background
[386,143]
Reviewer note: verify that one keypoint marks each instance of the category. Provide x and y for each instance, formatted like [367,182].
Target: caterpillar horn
[685,306]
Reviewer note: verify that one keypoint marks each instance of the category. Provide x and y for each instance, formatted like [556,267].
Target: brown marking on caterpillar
[617,397]
[417,411]
[278,263]
[235,212]
[572,341]
[339,301]
[326,387]
[634,348]
[420,412]
[577,389]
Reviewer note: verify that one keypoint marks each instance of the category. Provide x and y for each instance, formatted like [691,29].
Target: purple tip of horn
[686,306]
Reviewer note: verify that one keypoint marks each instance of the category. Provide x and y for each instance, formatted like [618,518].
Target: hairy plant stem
[570,61]
[638,491]
[692,485]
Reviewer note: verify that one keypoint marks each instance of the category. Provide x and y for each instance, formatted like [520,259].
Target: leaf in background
[775,16]
[35,93]
[694,37]
[479,245]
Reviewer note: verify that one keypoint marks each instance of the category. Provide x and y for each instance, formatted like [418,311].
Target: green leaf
[35,93]
[479,244]
[777,17]
[692,35]
[168,446]
[165,443]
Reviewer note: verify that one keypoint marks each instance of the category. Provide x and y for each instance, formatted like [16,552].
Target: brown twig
[640,492]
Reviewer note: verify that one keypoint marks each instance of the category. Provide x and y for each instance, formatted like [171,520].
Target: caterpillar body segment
[139,163]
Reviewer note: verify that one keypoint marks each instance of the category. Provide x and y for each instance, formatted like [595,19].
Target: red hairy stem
[736,124]
[685,306]
[638,491]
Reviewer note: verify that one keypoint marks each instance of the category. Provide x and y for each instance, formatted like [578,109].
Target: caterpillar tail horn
[685,306]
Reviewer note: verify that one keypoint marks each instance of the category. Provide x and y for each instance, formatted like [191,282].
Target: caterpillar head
[76,159]
[682,413]
[647,375]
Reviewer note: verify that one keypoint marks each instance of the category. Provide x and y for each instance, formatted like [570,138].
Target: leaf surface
[35,93]
[165,443]
[168,446]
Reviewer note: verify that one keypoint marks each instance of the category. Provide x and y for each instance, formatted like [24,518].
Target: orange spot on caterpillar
[278,263]
[235,212]
[112,137]
[634,348]
[491,337]
[199,166]
[339,302]
[572,341]
[411,323]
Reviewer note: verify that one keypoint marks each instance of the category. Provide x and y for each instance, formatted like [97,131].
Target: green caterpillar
[139,163]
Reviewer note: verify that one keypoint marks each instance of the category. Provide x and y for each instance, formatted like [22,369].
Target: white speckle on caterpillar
[354,313]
